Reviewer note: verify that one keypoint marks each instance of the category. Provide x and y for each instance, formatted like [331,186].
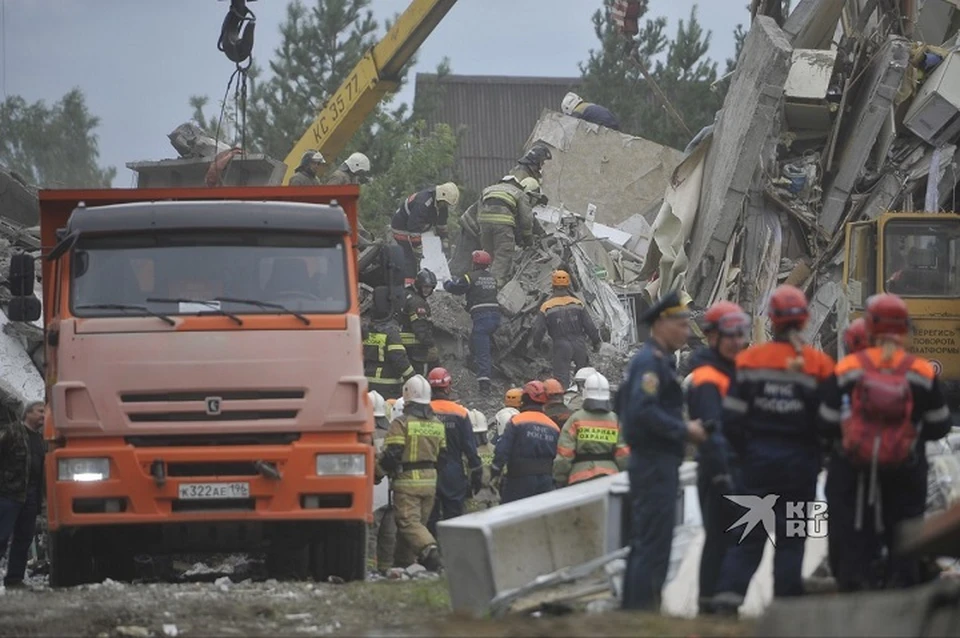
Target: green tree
[679,65]
[53,146]
[423,158]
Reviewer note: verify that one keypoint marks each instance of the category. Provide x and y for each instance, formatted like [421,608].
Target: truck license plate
[199,491]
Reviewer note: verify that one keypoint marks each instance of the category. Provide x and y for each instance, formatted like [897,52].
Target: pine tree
[679,66]
[53,146]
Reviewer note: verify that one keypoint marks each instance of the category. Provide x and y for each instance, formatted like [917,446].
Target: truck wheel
[342,552]
[71,561]
[289,562]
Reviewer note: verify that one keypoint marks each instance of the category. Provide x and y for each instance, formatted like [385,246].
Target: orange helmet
[560,278]
[535,391]
[727,318]
[513,398]
[886,315]
[439,378]
[553,387]
[788,307]
[855,336]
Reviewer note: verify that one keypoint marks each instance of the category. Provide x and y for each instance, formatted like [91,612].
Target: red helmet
[788,307]
[727,318]
[535,391]
[886,315]
[855,336]
[553,387]
[481,258]
[439,378]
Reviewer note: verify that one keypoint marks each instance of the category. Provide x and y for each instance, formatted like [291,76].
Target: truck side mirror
[21,276]
[24,309]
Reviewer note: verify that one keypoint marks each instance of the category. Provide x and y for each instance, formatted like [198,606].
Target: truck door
[860,264]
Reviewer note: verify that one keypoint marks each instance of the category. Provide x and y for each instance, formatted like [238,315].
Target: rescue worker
[868,498]
[506,219]
[527,448]
[385,361]
[354,170]
[769,418]
[307,173]
[486,497]
[531,164]
[574,395]
[452,486]
[556,409]
[416,324]
[22,480]
[413,446]
[574,106]
[591,444]
[650,407]
[480,287]
[726,327]
[567,321]
[423,211]
[855,336]
[382,533]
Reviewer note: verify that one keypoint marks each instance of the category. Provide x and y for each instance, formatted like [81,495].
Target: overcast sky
[139,61]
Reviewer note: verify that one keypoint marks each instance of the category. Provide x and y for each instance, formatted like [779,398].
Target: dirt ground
[247,608]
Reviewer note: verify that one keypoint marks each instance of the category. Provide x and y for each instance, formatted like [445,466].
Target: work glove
[445,246]
[596,346]
[476,480]
[433,354]
[447,284]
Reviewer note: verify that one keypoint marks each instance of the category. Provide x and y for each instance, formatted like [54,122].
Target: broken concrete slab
[18,200]
[813,23]
[743,128]
[619,174]
[877,91]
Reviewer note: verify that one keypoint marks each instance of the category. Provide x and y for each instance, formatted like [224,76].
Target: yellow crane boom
[377,74]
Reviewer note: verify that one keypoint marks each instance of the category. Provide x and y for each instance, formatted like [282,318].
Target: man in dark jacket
[574,106]
[452,486]
[650,406]
[385,362]
[480,287]
[726,327]
[527,448]
[423,211]
[567,321]
[416,324]
[307,174]
[531,164]
[21,488]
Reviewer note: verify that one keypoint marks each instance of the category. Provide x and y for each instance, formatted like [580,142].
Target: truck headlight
[83,470]
[341,464]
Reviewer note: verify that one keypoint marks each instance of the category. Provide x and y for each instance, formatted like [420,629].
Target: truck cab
[917,257]
[204,379]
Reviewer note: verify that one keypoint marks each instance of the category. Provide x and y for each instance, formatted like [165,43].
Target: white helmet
[596,387]
[530,185]
[570,101]
[478,421]
[503,417]
[358,163]
[312,156]
[417,390]
[397,409]
[582,374]
[379,405]
[448,193]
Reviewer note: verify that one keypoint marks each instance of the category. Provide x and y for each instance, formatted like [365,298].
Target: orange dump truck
[204,378]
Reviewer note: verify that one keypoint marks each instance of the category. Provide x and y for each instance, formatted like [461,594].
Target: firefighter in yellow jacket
[591,443]
[412,447]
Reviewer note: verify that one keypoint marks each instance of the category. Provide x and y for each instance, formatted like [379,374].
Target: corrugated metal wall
[497,114]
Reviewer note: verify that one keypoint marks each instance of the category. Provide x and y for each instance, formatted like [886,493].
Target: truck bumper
[133,495]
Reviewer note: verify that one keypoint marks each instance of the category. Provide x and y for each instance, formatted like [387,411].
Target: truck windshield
[922,258]
[185,273]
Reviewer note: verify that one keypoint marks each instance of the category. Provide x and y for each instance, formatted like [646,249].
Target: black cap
[669,306]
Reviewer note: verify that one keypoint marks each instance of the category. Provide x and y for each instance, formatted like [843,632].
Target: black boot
[484,386]
[431,558]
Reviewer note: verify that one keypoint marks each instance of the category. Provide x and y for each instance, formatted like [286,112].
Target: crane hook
[236,33]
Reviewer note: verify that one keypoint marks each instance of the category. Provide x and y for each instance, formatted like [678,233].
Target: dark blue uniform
[717,468]
[480,287]
[527,449]
[651,418]
[596,114]
[452,487]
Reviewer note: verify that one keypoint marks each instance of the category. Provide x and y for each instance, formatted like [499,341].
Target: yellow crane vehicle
[917,257]
[376,75]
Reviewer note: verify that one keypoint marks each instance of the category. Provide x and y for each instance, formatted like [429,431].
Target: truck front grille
[202,395]
[242,505]
[226,415]
[213,440]
[212,468]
